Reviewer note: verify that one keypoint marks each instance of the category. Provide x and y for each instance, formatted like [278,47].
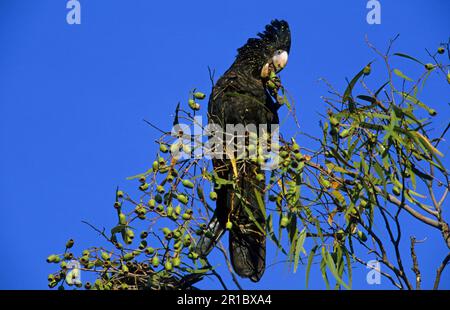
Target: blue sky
[72,100]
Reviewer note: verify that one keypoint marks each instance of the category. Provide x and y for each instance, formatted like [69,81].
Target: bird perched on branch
[246,94]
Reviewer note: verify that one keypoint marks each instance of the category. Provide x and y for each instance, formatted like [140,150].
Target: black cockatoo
[242,96]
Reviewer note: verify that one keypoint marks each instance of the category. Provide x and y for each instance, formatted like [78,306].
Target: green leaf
[299,248]
[348,91]
[409,57]
[400,74]
[309,264]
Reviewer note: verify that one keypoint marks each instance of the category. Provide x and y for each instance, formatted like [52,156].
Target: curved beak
[280,61]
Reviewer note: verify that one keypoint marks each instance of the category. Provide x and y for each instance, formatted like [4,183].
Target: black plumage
[241,96]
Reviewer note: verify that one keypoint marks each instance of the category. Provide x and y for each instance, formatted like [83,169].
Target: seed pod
[176,261]
[213,196]
[186,216]
[187,241]
[87,285]
[334,121]
[50,277]
[122,219]
[105,256]
[160,208]
[260,177]
[199,95]
[143,244]
[187,183]
[168,265]
[367,69]
[441,50]
[155,166]
[86,253]
[144,187]
[178,210]
[84,260]
[432,112]
[149,250]
[363,203]
[396,191]
[128,257]
[69,244]
[429,66]
[151,203]
[52,284]
[160,189]
[130,233]
[52,258]
[344,133]
[119,194]
[182,198]
[163,148]
[144,235]
[229,225]
[117,205]
[155,261]
[178,245]
[142,179]
[284,222]
[169,211]
[340,234]
[193,105]
[362,236]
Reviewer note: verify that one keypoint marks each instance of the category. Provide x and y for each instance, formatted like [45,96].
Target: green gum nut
[155,261]
[155,166]
[213,196]
[122,219]
[229,225]
[199,95]
[396,191]
[52,258]
[441,50]
[119,194]
[151,203]
[105,256]
[362,236]
[186,216]
[168,265]
[128,257]
[284,221]
[176,262]
[429,66]
[163,148]
[182,198]
[178,210]
[130,233]
[367,69]
[187,184]
[144,187]
[169,211]
[144,235]
[70,243]
[160,189]
[260,177]
[149,250]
